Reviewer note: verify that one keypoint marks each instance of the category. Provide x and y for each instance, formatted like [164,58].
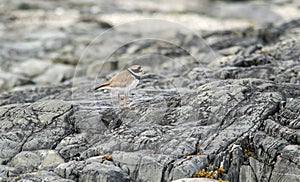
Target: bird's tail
[101,86]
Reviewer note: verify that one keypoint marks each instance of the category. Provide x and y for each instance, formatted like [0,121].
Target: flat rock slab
[30,127]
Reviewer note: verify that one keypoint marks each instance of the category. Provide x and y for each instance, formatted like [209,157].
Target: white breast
[125,90]
[133,84]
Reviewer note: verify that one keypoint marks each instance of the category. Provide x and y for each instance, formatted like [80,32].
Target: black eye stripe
[135,70]
[138,69]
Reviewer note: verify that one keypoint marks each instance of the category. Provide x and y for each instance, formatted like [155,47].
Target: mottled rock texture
[220,104]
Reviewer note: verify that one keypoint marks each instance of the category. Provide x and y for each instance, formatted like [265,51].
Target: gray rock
[27,161]
[195,112]
[142,166]
[71,146]
[55,74]
[24,50]
[34,94]
[7,171]
[9,80]
[29,133]
[52,39]
[261,171]
[234,11]
[91,171]
[186,167]
[32,67]
[101,172]
[289,158]
[50,159]
[46,176]
[247,174]
[70,170]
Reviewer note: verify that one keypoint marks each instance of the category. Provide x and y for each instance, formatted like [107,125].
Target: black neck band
[135,76]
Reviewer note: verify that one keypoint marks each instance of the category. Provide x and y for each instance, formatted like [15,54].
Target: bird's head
[137,70]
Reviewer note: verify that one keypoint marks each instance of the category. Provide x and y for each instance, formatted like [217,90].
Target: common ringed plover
[123,82]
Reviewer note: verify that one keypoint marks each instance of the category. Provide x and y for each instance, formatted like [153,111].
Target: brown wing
[119,80]
[122,79]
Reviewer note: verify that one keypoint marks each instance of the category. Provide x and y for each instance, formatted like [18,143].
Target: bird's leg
[125,104]
[119,101]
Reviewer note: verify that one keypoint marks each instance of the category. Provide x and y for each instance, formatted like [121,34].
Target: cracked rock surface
[216,102]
